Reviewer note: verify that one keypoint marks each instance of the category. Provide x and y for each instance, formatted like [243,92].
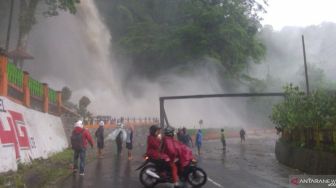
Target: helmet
[101,123]
[153,129]
[79,123]
[169,131]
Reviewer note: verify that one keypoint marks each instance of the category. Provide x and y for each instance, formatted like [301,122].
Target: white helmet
[79,123]
[101,123]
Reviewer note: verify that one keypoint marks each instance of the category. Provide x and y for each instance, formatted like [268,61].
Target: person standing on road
[129,140]
[186,139]
[242,135]
[121,135]
[198,142]
[79,141]
[223,139]
[179,135]
[100,139]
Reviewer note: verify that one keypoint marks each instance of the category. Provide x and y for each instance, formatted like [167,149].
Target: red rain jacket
[153,148]
[175,149]
[85,136]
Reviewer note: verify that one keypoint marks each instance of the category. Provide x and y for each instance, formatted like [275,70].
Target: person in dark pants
[223,139]
[79,141]
[100,139]
[119,141]
[129,140]
[242,136]
[186,138]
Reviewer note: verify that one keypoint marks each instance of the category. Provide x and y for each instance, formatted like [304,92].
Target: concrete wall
[306,160]
[26,134]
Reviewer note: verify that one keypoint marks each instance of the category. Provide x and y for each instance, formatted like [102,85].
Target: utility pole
[9,24]
[305,65]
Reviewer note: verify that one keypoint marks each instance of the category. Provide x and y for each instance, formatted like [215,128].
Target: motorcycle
[154,172]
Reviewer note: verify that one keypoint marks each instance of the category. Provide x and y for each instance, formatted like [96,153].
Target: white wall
[26,134]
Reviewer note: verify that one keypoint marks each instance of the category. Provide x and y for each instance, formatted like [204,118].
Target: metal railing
[15,75]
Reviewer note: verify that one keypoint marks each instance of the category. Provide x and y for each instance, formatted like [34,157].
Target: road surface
[252,164]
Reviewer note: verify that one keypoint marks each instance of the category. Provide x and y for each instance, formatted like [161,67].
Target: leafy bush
[299,110]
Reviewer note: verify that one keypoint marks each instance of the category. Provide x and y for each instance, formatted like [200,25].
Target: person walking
[79,140]
[242,135]
[223,139]
[198,142]
[100,139]
[129,140]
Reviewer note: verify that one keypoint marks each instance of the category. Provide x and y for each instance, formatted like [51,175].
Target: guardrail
[18,86]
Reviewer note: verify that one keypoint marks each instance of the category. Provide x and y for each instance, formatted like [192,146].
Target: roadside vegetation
[307,121]
[39,173]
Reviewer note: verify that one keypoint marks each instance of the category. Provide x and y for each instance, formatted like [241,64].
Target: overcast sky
[282,13]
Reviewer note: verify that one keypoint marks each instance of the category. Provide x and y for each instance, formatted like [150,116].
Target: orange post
[26,91]
[45,98]
[59,102]
[3,76]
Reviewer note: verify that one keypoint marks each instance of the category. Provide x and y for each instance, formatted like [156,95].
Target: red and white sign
[26,134]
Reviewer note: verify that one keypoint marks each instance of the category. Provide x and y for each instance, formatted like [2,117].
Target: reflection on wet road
[252,164]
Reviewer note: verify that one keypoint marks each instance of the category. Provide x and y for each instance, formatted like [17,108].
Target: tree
[84,102]
[27,11]
[66,94]
[317,79]
[159,34]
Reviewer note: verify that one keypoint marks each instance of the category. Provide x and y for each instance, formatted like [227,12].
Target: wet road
[252,164]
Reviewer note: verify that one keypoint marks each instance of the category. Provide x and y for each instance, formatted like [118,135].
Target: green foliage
[317,79]
[28,10]
[161,34]
[65,5]
[301,110]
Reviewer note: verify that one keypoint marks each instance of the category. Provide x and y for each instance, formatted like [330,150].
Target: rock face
[306,160]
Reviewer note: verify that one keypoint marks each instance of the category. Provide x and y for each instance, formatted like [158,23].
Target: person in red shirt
[154,144]
[176,151]
[169,148]
[81,153]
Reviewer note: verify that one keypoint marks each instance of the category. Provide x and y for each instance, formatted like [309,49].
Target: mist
[75,51]
[284,57]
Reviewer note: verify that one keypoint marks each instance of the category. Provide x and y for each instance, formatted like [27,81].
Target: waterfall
[75,51]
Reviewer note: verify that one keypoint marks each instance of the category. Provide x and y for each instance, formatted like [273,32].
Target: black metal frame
[163,115]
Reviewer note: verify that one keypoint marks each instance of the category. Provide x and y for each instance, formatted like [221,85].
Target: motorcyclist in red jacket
[154,144]
[176,151]
[168,147]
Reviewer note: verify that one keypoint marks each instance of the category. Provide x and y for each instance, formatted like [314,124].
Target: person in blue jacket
[198,141]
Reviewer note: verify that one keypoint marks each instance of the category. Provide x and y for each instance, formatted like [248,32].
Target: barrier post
[26,91]
[3,76]
[45,98]
[59,102]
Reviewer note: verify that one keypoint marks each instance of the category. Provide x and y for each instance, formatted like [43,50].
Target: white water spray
[75,51]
